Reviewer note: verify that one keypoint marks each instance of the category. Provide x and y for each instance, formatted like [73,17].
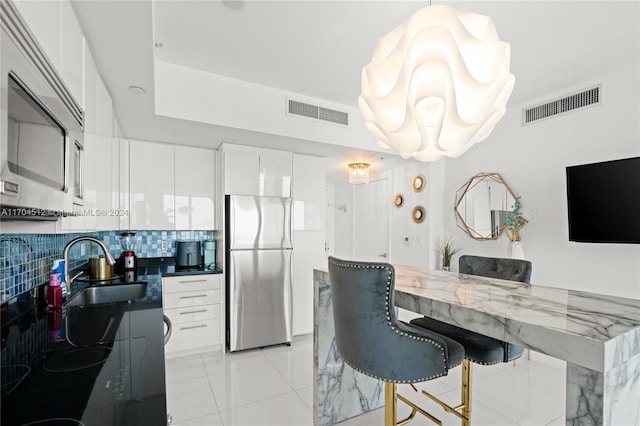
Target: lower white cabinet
[193,304]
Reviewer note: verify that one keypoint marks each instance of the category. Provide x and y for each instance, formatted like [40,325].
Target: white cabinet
[151,176]
[104,110]
[43,19]
[309,201]
[194,188]
[241,173]
[99,190]
[193,304]
[309,187]
[308,253]
[99,210]
[122,173]
[71,50]
[275,175]
[256,171]
[56,28]
[90,83]
[170,187]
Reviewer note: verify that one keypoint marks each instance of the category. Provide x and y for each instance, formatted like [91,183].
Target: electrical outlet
[406,241]
[83,249]
[165,245]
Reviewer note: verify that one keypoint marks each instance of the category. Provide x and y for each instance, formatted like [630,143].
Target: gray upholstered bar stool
[479,348]
[372,340]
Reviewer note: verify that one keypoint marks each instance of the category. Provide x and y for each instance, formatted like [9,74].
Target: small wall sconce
[359,173]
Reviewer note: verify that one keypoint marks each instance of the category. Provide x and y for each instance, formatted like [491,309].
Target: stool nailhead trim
[390,271]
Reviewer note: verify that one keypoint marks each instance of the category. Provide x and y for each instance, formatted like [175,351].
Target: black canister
[188,254]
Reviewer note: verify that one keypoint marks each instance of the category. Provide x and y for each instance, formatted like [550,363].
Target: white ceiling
[318,48]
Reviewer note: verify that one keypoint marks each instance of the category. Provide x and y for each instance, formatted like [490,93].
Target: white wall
[343,197]
[409,241]
[532,160]
[195,95]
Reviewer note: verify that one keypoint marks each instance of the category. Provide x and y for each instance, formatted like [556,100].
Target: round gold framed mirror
[418,183]
[398,200]
[419,214]
[482,205]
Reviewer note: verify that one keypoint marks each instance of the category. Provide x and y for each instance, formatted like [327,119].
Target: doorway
[371,205]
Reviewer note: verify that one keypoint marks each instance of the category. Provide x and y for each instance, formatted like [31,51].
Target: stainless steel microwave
[41,124]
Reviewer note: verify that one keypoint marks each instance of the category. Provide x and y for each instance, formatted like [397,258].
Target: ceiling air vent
[572,102]
[317,112]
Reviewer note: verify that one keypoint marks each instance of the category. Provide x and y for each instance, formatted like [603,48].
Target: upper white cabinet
[170,186]
[194,187]
[71,50]
[275,175]
[309,187]
[99,189]
[43,19]
[121,169]
[241,173]
[309,207]
[56,28]
[151,175]
[256,171]
[104,110]
[91,78]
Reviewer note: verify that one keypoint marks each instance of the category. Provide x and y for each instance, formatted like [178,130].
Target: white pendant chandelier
[436,84]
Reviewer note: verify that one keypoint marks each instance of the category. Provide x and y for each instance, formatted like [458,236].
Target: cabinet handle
[193,326]
[191,297]
[193,312]
[193,281]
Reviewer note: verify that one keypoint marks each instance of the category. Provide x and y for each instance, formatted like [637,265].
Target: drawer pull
[193,326]
[193,312]
[191,297]
[193,281]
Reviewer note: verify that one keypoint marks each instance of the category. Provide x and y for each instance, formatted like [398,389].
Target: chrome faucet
[107,254]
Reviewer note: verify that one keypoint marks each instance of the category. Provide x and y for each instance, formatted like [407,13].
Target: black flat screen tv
[603,200]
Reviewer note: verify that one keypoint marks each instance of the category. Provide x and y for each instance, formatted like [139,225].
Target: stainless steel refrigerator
[258,271]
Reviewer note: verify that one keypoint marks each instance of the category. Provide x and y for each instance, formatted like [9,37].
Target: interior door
[371,204]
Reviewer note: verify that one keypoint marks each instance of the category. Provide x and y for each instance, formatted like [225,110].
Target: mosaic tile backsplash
[26,259]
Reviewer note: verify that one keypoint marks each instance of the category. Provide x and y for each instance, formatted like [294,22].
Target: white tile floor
[273,386]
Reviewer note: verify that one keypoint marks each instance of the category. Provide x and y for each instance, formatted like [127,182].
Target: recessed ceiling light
[234,4]
[137,90]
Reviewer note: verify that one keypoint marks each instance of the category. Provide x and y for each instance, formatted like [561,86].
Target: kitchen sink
[109,294]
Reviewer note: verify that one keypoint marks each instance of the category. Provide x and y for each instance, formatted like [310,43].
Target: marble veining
[598,335]
[340,392]
[602,330]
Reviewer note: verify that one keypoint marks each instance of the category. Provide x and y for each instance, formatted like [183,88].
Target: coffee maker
[128,261]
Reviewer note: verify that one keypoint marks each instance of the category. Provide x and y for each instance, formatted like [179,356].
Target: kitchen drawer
[193,313]
[186,299]
[194,334]
[190,283]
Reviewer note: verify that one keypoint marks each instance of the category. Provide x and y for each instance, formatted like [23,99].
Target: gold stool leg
[390,404]
[466,392]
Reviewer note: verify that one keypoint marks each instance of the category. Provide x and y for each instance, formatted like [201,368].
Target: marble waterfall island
[597,335]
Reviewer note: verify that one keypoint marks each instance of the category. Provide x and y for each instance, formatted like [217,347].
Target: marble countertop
[597,335]
[593,330]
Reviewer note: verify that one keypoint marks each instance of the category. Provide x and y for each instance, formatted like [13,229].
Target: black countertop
[166,267]
[98,364]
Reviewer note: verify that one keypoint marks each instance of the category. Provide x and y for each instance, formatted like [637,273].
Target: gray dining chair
[481,349]
[371,339]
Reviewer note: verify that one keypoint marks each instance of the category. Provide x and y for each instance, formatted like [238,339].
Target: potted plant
[515,221]
[447,250]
